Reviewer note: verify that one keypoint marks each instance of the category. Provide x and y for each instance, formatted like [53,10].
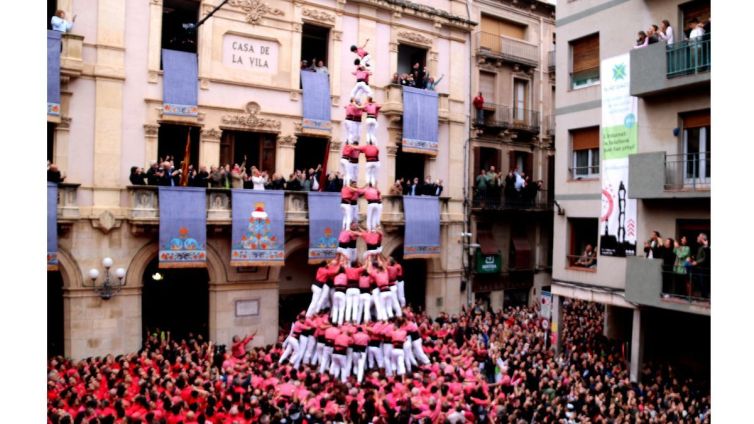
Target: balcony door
[257,148]
[520,92]
[697,143]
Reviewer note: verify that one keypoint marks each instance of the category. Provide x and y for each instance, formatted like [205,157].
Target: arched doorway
[175,300]
[415,276]
[55,314]
[295,286]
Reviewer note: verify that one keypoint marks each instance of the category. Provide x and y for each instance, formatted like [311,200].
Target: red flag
[186,159]
[323,172]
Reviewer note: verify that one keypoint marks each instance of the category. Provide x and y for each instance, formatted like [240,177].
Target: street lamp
[108,288]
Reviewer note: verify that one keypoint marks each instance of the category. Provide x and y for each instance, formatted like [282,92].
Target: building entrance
[175,300]
[54,314]
[415,277]
[295,285]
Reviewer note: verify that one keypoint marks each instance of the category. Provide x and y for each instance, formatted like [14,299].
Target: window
[408,56]
[520,96]
[697,143]
[484,158]
[585,145]
[258,148]
[409,165]
[492,31]
[176,13]
[695,9]
[585,61]
[52,7]
[582,252]
[171,141]
[487,86]
[521,161]
[309,152]
[314,40]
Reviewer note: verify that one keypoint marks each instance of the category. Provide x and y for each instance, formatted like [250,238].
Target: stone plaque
[247,308]
[251,54]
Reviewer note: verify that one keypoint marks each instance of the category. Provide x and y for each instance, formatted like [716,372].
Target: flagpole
[186,159]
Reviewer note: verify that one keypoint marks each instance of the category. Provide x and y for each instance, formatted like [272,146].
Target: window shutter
[529,161]
[477,163]
[487,86]
[511,159]
[226,147]
[585,138]
[697,119]
[586,53]
[513,30]
[490,35]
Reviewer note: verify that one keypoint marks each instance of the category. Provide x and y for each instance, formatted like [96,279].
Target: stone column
[333,160]
[556,322]
[296,48]
[150,144]
[154,46]
[389,167]
[286,151]
[637,346]
[60,148]
[209,148]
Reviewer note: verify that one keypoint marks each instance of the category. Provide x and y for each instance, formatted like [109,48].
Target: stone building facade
[112,119]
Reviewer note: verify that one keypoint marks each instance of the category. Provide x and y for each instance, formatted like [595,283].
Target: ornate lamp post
[108,288]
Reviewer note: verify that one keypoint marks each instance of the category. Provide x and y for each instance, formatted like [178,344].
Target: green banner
[619,141]
[488,264]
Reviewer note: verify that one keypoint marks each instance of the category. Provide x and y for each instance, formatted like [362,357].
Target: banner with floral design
[258,234]
[183,227]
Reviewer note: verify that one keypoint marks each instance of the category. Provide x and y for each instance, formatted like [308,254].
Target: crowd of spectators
[486,367]
[654,34]
[417,187]
[165,173]
[418,77]
[517,188]
[315,65]
[684,273]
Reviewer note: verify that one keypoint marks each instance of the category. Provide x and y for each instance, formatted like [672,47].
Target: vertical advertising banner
[619,140]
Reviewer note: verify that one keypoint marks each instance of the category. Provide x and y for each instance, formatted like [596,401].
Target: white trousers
[365,306]
[311,345]
[374,212]
[401,292]
[366,61]
[379,305]
[387,304]
[398,364]
[352,305]
[371,128]
[408,356]
[324,298]
[324,361]
[387,358]
[350,131]
[316,293]
[355,217]
[418,350]
[338,307]
[344,171]
[355,134]
[291,346]
[359,359]
[394,301]
[374,353]
[360,88]
[303,341]
[353,172]
[347,218]
[317,354]
[372,169]
[338,367]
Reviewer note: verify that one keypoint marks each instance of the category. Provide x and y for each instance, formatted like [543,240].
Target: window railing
[580,261]
[501,116]
[507,48]
[689,56]
[585,78]
[584,172]
[690,171]
[498,198]
[686,283]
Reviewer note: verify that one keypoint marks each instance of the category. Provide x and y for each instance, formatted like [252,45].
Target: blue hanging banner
[52,227]
[422,233]
[183,227]
[179,83]
[324,223]
[419,121]
[53,73]
[258,234]
[316,101]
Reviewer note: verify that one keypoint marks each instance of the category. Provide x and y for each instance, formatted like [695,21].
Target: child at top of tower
[363,54]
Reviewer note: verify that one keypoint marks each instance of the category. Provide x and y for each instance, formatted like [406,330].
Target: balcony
[657,175]
[144,208]
[648,284]
[550,125]
[509,118]
[551,61]
[68,208]
[393,105]
[496,47]
[71,61]
[660,69]
[495,200]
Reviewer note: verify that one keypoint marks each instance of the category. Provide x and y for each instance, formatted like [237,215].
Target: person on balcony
[54,175]
[666,32]
[479,106]
[652,36]
[59,23]
[135,178]
[641,40]
[432,84]
[481,186]
[588,258]
[420,75]
[700,271]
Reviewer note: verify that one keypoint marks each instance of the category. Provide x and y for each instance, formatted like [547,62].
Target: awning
[521,253]
[487,244]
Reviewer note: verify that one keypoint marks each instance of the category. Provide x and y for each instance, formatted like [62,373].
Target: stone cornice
[409,8]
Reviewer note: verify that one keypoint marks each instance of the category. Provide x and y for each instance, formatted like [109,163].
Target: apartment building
[633,137]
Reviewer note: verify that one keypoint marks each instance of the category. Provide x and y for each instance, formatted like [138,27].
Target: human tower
[355,320]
